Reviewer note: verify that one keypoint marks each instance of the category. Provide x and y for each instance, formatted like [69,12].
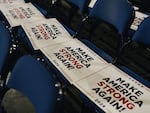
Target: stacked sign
[20,13]
[45,32]
[74,59]
[116,92]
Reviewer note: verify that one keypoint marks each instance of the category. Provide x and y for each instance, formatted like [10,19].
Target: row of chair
[105,16]
[106,13]
[35,82]
[28,76]
[133,53]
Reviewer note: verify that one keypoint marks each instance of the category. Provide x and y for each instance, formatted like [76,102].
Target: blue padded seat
[106,13]
[81,4]
[107,10]
[33,80]
[142,34]
[75,8]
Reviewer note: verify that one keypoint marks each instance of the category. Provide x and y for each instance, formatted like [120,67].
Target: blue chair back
[118,13]
[5,43]
[142,35]
[81,4]
[32,79]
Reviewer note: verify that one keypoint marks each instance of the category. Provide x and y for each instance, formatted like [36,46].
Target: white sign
[45,32]
[92,3]
[17,14]
[11,1]
[74,60]
[115,92]
[139,17]
[3,3]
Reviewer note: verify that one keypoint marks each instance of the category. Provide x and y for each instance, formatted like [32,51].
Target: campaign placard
[45,32]
[3,3]
[74,60]
[11,1]
[92,3]
[16,14]
[115,92]
[139,17]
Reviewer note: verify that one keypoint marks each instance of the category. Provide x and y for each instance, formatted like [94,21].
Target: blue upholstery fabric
[5,42]
[31,78]
[76,7]
[44,12]
[79,3]
[142,34]
[119,13]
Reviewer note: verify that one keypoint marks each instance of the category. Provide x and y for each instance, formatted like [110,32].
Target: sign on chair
[115,92]
[74,60]
[139,17]
[11,1]
[17,14]
[45,32]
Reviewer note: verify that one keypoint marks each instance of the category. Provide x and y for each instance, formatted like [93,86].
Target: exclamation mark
[122,109]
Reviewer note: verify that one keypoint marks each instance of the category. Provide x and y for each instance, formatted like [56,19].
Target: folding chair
[134,58]
[81,5]
[35,82]
[70,12]
[112,16]
[5,40]
[116,15]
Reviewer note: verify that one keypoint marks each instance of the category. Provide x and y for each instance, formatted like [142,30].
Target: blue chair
[134,58]
[5,44]
[23,38]
[15,30]
[77,9]
[81,5]
[33,80]
[115,14]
